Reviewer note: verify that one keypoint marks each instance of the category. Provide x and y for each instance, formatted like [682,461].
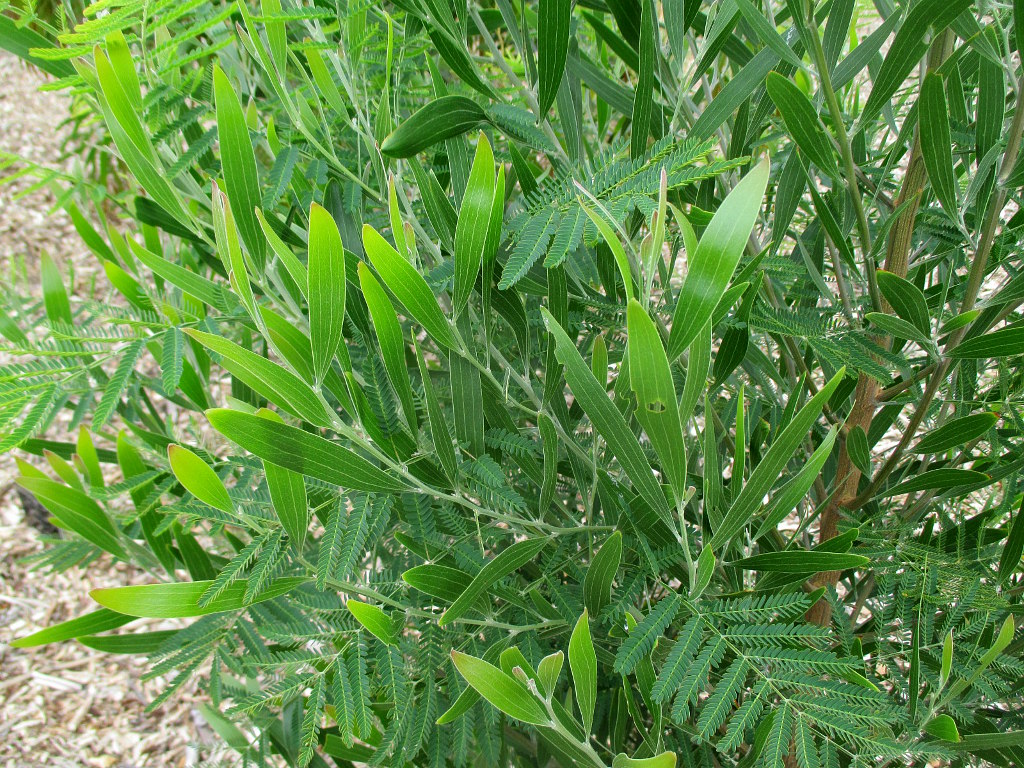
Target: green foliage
[441,345]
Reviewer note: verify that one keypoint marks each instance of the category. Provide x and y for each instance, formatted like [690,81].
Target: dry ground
[63,705]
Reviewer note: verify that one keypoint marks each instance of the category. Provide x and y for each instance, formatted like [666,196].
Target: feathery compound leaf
[117,384]
[720,703]
[311,720]
[171,361]
[679,659]
[643,637]
[326,288]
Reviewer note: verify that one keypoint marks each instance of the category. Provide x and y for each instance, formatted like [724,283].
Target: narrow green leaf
[391,340]
[942,727]
[798,561]
[643,94]
[553,21]
[506,562]
[937,479]
[657,409]
[1002,343]
[548,670]
[98,621]
[897,327]
[472,226]
[181,600]
[503,691]
[664,760]
[610,237]
[583,663]
[408,286]
[906,299]
[55,296]
[441,436]
[198,478]
[76,512]
[443,118]
[143,643]
[278,385]
[301,451]
[438,581]
[241,178]
[374,620]
[597,584]
[936,143]
[772,464]
[607,418]
[1009,561]
[802,122]
[326,288]
[956,432]
[288,495]
[718,252]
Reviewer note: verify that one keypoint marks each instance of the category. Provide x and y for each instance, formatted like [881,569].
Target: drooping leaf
[443,118]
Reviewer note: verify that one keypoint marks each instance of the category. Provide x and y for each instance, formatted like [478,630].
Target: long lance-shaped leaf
[241,178]
[607,419]
[181,600]
[443,118]
[553,23]
[501,690]
[279,385]
[471,229]
[326,288]
[288,494]
[936,144]
[392,343]
[509,560]
[657,410]
[408,286]
[718,253]
[772,464]
[300,451]
[802,122]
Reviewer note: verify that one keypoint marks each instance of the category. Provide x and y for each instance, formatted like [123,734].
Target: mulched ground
[64,705]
